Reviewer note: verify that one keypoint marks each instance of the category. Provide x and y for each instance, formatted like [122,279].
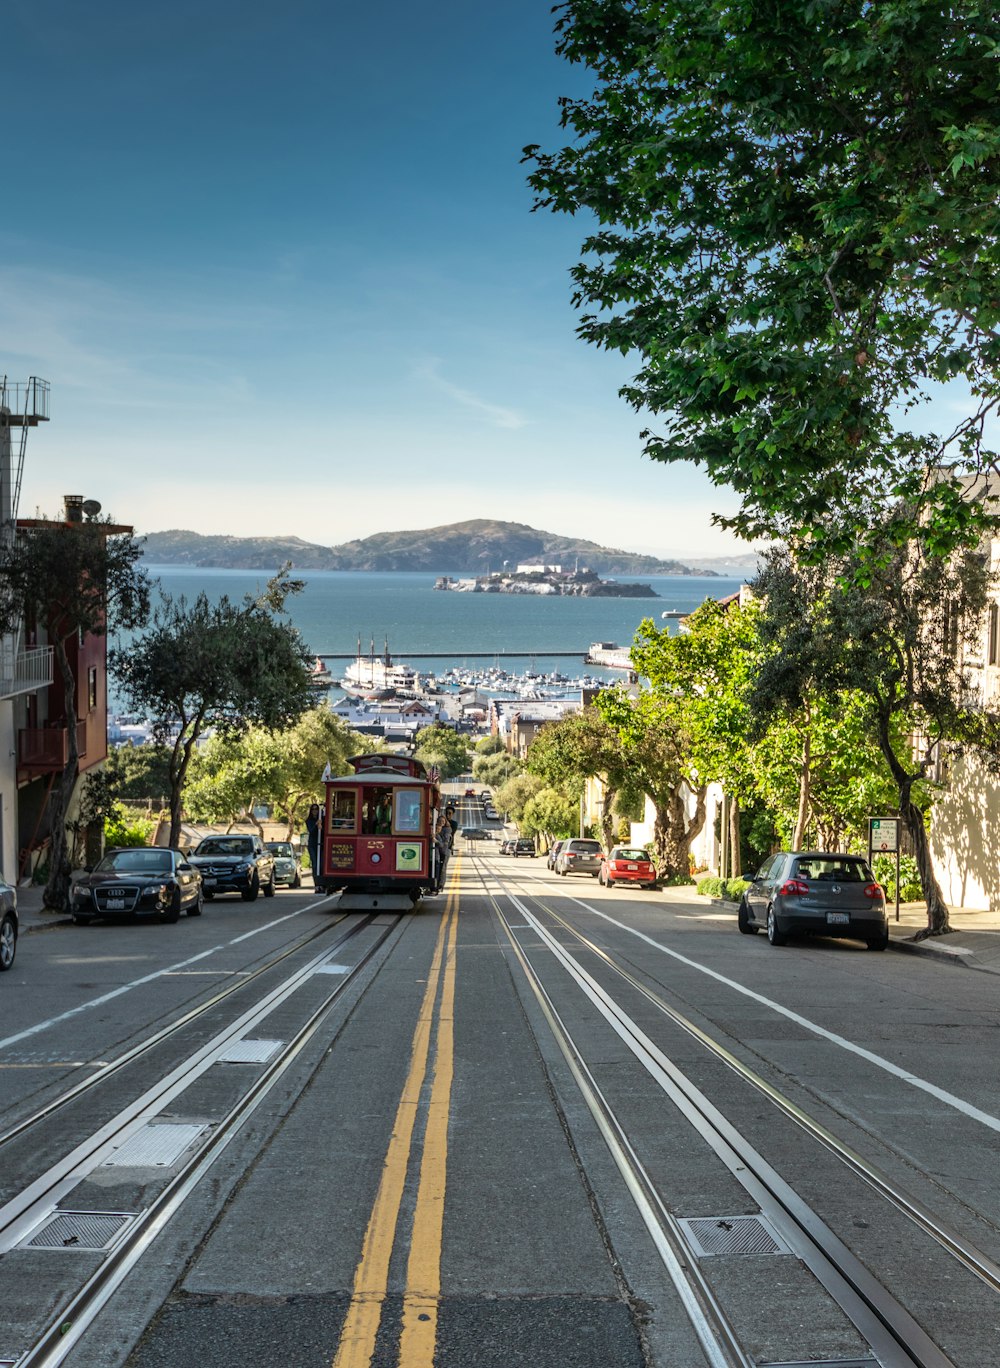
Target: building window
[92,688]
[992,651]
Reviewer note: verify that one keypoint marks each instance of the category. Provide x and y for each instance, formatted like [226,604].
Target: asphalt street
[535,1122]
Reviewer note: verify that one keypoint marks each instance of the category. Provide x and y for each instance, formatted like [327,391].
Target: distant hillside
[472,547]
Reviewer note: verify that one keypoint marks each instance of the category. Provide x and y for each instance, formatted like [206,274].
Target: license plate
[633,866]
[116,904]
[209,883]
[837,918]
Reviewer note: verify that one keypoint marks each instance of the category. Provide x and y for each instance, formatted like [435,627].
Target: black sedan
[138,881]
[815,892]
[8,925]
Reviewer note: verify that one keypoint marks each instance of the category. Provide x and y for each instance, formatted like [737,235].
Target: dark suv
[523,847]
[234,864]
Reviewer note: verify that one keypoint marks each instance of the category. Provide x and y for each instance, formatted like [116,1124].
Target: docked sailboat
[376,674]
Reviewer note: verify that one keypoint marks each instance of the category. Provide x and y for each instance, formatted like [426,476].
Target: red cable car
[377,839]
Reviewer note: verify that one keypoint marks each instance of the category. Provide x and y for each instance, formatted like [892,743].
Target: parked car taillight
[874,890]
[793,886]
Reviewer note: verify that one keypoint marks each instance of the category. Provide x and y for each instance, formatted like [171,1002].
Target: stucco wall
[965,837]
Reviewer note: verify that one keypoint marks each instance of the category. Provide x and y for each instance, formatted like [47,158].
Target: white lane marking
[139,982]
[914,1080]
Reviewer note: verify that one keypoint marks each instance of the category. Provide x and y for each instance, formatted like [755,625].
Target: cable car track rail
[893,1335]
[107,1068]
[27,1211]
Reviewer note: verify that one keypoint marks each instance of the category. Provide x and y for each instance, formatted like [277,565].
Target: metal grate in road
[715,1235]
[84,1230]
[250,1051]
[820,1363]
[154,1147]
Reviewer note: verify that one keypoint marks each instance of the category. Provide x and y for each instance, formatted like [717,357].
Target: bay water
[336,607]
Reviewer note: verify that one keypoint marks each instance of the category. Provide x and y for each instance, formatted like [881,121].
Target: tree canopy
[221,665]
[442,746]
[796,236]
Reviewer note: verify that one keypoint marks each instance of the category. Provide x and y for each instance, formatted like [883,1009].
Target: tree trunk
[608,817]
[735,861]
[673,833]
[805,780]
[180,759]
[938,923]
[56,894]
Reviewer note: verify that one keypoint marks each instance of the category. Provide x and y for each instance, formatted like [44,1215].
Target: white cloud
[497,414]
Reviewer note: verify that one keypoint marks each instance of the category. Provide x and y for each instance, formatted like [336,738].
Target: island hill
[475,547]
[546,579]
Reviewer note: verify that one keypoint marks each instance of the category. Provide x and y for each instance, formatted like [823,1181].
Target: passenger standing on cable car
[442,844]
[312,841]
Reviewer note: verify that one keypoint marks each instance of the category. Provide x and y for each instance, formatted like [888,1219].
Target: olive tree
[224,666]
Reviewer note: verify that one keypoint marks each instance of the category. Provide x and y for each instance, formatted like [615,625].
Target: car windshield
[283,848]
[830,867]
[624,853]
[136,861]
[225,845]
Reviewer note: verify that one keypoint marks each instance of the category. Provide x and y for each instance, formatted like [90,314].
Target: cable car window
[343,809]
[376,811]
[407,810]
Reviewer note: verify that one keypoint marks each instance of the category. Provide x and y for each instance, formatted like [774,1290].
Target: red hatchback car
[628,864]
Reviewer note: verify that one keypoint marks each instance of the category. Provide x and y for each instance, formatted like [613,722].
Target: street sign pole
[883,839]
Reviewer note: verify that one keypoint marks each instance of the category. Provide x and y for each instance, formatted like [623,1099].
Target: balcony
[43,749]
[23,671]
[26,404]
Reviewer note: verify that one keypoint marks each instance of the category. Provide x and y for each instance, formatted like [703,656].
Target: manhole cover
[249,1051]
[154,1147]
[78,1230]
[714,1235]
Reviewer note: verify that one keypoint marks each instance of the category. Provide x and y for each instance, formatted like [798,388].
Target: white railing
[24,671]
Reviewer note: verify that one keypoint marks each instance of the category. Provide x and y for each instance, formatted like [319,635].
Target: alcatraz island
[546,579]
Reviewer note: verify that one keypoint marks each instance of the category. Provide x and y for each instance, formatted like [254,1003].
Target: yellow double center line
[423,1272]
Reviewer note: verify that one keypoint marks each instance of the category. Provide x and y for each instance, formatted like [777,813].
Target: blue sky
[279,266]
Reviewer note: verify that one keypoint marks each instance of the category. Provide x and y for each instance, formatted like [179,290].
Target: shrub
[735,888]
[677,881]
[910,888]
[710,887]
[122,830]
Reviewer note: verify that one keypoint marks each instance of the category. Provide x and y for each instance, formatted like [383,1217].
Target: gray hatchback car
[580,857]
[815,892]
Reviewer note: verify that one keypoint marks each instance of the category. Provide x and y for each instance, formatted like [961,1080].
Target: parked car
[138,881]
[234,864]
[628,864]
[507,846]
[815,892]
[490,813]
[523,846]
[580,857]
[553,855]
[8,924]
[287,866]
[485,796]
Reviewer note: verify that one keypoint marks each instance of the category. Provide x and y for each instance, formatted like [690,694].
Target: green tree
[795,231]
[513,796]
[71,578]
[551,814]
[897,644]
[495,769]
[222,666]
[488,745]
[231,774]
[442,746]
[138,773]
[319,738]
[582,746]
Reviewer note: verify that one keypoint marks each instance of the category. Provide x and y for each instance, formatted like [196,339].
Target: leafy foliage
[442,746]
[225,666]
[796,234]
